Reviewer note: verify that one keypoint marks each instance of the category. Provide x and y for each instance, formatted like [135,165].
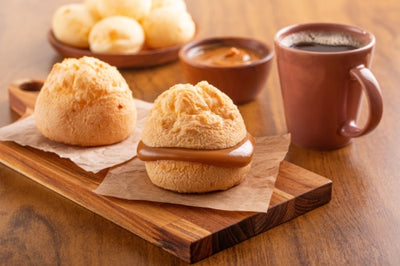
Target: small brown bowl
[241,82]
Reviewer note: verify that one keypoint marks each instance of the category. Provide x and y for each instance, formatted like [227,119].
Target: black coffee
[318,47]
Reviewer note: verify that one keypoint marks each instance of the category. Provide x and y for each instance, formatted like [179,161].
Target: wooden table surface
[360,226]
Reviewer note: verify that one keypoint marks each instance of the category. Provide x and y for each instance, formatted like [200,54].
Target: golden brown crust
[196,117]
[189,177]
[85,102]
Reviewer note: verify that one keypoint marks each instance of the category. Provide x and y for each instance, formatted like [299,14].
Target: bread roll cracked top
[195,117]
[85,102]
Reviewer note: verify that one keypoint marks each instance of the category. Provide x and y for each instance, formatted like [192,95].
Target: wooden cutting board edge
[285,208]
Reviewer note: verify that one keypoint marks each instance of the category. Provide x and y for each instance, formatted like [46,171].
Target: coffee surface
[318,47]
[322,41]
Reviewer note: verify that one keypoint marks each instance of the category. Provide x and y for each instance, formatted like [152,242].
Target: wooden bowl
[144,58]
[241,83]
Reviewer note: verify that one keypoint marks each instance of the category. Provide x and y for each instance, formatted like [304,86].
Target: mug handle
[371,88]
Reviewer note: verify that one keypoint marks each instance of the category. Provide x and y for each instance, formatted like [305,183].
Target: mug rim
[286,31]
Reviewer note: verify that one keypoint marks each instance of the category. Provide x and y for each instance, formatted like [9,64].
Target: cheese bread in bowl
[85,102]
[116,35]
[72,23]
[168,26]
[136,9]
[195,140]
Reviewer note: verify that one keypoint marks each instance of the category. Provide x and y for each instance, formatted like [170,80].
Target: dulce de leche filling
[237,156]
[221,55]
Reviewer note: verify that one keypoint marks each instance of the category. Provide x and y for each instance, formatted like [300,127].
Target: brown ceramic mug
[321,89]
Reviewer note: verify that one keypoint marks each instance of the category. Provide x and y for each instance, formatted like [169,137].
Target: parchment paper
[93,159]
[130,181]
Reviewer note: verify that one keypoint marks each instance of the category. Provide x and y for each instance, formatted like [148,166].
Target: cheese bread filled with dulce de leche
[195,140]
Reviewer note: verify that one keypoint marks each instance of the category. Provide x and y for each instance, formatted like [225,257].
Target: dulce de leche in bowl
[237,66]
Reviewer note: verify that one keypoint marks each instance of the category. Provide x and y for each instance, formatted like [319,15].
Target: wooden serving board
[187,232]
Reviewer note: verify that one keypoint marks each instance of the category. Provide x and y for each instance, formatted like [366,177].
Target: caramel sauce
[219,55]
[237,156]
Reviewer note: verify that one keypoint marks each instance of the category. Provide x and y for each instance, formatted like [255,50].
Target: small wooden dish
[144,58]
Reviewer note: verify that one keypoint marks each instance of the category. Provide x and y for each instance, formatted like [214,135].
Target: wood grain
[183,231]
[180,230]
[360,225]
[22,95]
